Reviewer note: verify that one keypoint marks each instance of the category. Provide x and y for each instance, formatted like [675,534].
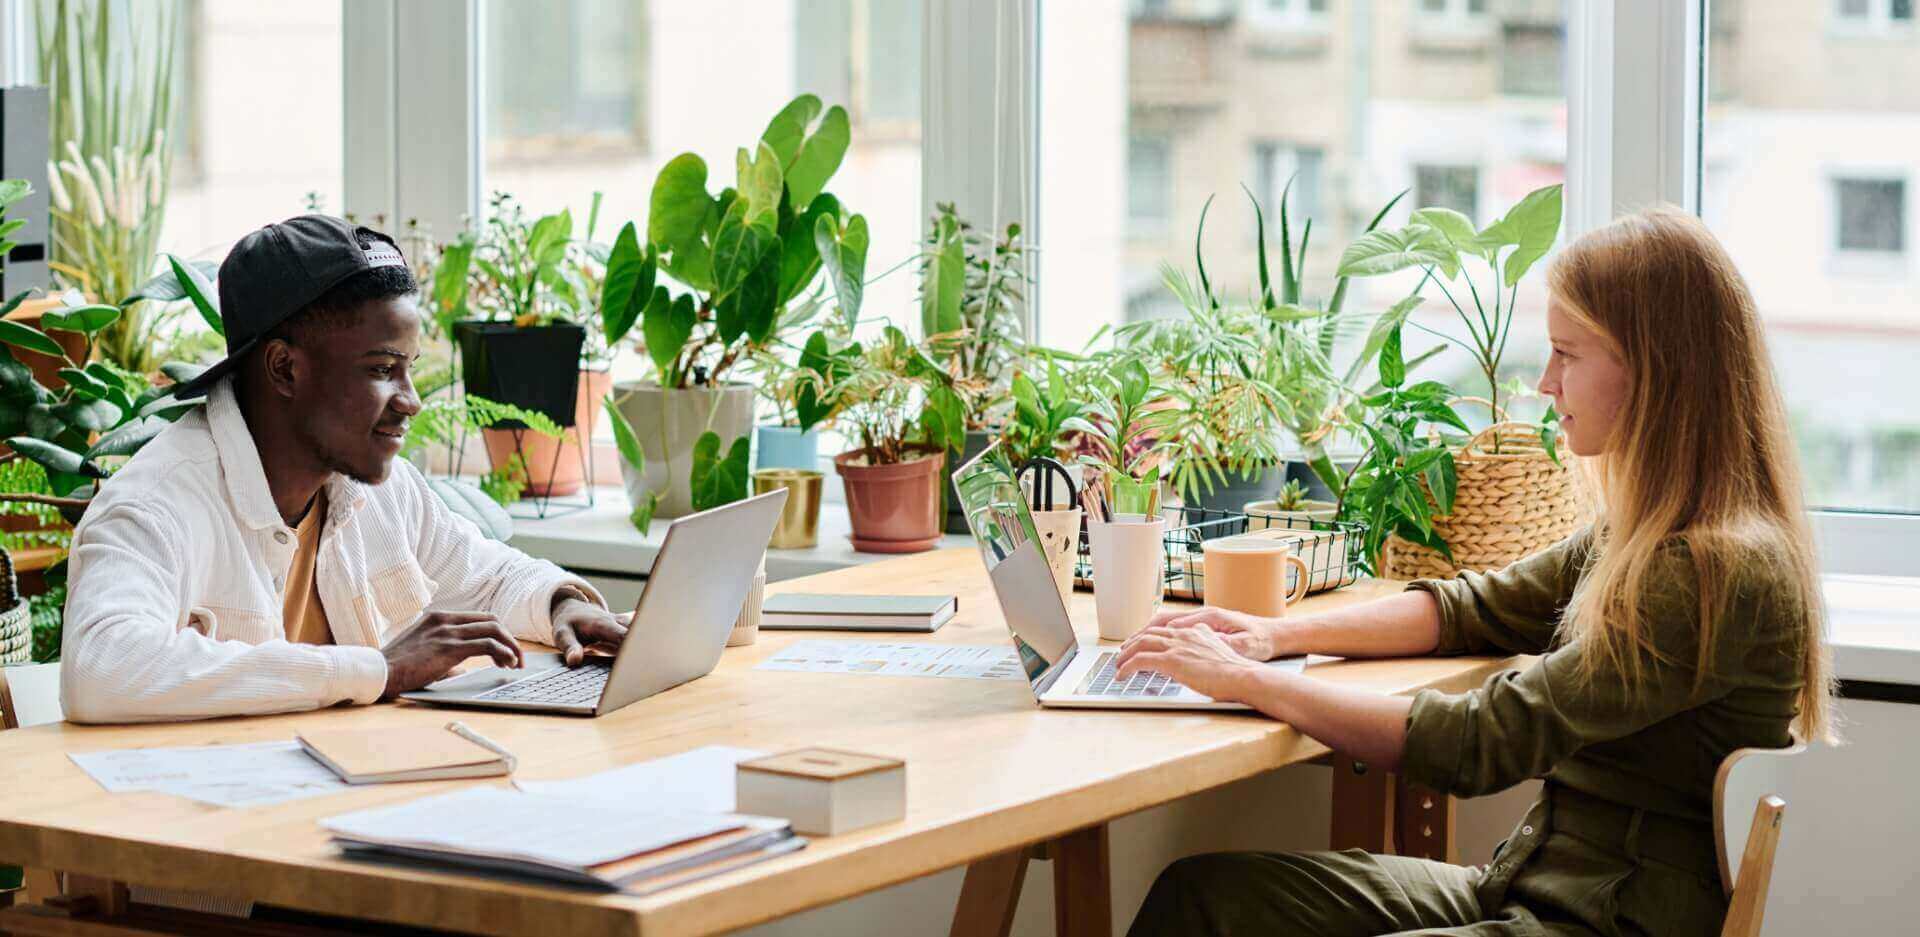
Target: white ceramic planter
[667,422]
[1262,515]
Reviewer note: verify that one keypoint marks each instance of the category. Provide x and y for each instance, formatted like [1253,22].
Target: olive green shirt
[1629,773]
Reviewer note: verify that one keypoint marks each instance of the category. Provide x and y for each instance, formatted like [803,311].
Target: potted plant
[1291,509]
[790,381]
[1123,434]
[901,410]
[742,255]
[513,299]
[1474,529]
[971,290]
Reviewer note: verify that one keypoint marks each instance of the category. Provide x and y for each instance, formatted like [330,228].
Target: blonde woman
[1681,625]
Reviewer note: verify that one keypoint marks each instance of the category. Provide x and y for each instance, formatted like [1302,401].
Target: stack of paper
[597,845]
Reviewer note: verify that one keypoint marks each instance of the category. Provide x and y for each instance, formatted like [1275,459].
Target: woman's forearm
[1404,625]
[1365,725]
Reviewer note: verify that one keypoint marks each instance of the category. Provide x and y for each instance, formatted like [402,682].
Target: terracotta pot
[553,466]
[893,508]
[46,368]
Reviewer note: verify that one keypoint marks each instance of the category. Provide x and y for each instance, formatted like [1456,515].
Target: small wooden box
[822,791]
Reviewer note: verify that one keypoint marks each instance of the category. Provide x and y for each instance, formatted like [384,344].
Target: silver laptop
[1063,673]
[692,597]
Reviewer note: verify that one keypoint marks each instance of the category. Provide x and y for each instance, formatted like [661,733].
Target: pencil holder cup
[1060,539]
[746,628]
[1128,574]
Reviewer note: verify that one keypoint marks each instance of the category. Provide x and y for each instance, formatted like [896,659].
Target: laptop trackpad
[486,678]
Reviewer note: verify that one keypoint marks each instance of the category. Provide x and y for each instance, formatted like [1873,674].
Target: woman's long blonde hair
[1700,450]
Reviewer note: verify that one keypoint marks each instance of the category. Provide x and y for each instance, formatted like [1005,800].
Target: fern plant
[443,418]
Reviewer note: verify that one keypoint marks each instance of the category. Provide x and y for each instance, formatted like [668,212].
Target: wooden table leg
[989,895]
[1363,801]
[1082,885]
[1423,823]
[101,896]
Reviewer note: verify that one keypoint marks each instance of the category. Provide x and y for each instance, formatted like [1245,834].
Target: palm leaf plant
[1124,432]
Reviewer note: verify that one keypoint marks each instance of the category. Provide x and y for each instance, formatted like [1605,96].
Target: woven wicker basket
[1509,504]
[16,623]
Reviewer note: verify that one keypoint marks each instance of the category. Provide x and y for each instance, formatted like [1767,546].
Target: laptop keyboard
[566,686]
[1143,683]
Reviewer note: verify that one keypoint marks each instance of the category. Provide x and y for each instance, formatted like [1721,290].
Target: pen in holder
[1127,574]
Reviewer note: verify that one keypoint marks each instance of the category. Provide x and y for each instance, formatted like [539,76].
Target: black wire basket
[1333,550]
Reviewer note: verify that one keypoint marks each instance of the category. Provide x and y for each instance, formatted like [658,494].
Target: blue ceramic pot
[787,447]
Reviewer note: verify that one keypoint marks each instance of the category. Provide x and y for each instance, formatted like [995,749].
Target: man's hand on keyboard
[1200,658]
[579,625]
[439,640]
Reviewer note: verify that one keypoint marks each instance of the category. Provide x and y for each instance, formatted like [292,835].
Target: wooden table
[992,779]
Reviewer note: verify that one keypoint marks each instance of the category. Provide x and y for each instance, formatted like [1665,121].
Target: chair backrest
[30,695]
[1747,813]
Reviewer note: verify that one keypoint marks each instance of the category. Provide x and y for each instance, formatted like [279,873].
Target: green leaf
[844,253]
[128,438]
[678,208]
[666,324]
[1532,225]
[1389,322]
[1393,367]
[1382,252]
[812,403]
[13,190]
[718,481]
[819,158]
[84,319]
[449,288]
[625,439]
[750,310]
[1443,481]
[547,243]
[198,290]
[750,224]
[56,458]
[1550,433]
[164,287]
[800,255]
[166,407]
[84,385]
[942,280]
[182,372]
[788,129]
[25,336]
[16,379]
[94,416]
[628,285]
[642,515]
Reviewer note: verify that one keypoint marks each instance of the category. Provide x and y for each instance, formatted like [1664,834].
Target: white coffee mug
[1129,574]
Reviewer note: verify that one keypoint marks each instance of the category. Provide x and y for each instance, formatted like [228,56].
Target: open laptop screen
[1010,548]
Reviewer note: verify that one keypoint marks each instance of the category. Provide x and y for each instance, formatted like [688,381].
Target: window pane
[587,96]
[1206,99]
[1854,8]
[1809,151]
[258,118]
[1901,9]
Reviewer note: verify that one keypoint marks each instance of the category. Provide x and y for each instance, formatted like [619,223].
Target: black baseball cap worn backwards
[278,271]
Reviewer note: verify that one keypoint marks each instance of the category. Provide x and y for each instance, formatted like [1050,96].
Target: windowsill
[1876,265]
[1451,38]
[1874,628]
[1891,32]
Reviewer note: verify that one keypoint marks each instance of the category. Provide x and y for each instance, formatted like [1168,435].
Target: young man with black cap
[268,553]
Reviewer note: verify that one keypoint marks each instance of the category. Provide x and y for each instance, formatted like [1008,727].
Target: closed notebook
[424,754]
[827,612]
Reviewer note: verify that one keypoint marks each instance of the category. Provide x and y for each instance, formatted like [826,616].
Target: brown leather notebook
[383,755]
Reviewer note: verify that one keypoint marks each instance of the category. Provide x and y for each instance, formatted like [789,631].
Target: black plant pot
[977,442]
[535,368]
[1233,493]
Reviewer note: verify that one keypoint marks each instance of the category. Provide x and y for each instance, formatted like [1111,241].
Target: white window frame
[1299,17]
[1455,22]
[413,134]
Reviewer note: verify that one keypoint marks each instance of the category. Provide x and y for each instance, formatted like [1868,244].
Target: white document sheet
[489,821]
[249,775]
[961,661]
[697,781]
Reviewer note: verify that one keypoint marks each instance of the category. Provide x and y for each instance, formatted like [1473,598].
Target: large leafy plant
[1042,410]
[743,254]
[109,70]
[529,272]
[971,290]
[1445,246]
[893,398]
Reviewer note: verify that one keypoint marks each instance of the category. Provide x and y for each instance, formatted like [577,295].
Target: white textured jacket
[178,569]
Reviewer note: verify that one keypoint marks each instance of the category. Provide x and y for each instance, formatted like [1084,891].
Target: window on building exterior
[1276,163]
[1533,59]
[565,78]
[1149,183]
[1870,215]
[1455,187]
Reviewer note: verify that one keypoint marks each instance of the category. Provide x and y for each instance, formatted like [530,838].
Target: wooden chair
[1749,776]
[30,696]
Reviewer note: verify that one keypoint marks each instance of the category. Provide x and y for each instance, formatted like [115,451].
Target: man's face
[355,392]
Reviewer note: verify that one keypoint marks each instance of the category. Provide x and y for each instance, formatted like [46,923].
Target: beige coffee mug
[1249,574]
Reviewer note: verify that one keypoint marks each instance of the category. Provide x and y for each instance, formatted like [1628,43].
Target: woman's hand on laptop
[579,625]
[1255,638]
[439,640]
